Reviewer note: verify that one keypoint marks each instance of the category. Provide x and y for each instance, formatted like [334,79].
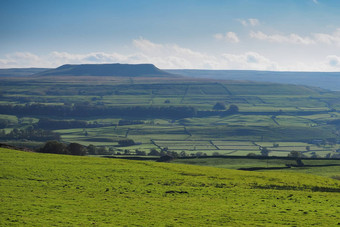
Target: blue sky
[287,35]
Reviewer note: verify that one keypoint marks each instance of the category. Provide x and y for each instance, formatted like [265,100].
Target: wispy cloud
[277,38]
[332,39]
[253,22]
[249,22]
[229,36]
[315,38]
[316,1]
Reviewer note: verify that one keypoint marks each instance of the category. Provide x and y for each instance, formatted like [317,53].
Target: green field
[268,113]
[46,189]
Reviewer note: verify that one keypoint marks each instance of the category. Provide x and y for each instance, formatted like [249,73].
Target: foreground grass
[45,189]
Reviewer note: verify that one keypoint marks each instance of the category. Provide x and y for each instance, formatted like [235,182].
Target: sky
[285,35]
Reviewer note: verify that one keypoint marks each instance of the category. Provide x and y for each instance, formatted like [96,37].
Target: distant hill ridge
[123,70]
[326,80]
[18,72]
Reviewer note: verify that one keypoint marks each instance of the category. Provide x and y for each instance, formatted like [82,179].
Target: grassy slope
[45,189]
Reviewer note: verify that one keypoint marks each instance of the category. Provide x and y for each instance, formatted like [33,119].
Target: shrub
[126,142]
[219,106]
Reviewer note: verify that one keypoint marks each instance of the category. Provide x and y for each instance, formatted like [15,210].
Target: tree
[264,151]
[54,147]
[126,142]
[173,154]
[4,123]
[154,152]
[91,149]
[111,150]
[102,150]
[199,154]
[2,133]
[219,106]
[295,154]
[165,158]
[233,109]
[315,156]
[76,149]
[182,154]
[138,152]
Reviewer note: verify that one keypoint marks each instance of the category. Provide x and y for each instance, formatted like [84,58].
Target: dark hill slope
[124,70]
[20,71]
[326,80]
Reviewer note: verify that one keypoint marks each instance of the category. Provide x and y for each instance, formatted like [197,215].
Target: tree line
[29,134]
[78,110]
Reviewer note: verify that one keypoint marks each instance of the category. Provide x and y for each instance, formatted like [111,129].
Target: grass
[46,189]
[327,171]
[323,168]
[235,163]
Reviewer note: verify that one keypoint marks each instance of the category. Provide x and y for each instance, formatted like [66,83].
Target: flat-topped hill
[123,70]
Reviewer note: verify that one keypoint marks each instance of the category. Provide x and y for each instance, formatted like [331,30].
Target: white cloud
[168,56]
[291,38]
[229,37]
[25,58]
[60,58]
[316,1]
[162,55]
[330,39]
[249,22]
[250,60]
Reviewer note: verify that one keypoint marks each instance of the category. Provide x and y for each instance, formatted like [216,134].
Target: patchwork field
[47,189]
[267,113]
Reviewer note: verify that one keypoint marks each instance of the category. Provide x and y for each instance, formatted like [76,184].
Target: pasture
[47,189]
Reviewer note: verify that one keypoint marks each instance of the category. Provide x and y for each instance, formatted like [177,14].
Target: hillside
[45,190]
[325,80]
[15,72]
[122,70]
